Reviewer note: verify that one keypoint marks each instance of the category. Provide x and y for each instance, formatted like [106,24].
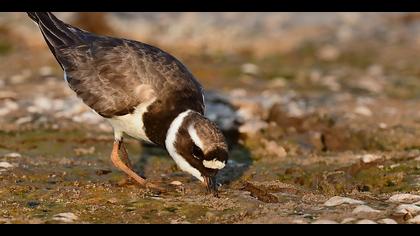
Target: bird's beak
[211,185]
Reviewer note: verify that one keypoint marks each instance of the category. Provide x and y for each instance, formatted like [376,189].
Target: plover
[143,92]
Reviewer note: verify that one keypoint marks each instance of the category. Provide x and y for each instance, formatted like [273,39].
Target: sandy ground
[326,131]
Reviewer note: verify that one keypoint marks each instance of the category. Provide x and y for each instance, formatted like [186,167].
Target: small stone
[113,200]
[5,165]
[407,209]
[43,104]
[7,107]
[45,71]
[366,222]
[404,198]
[13,155]
[368,158]
[415,220]
[176,183]
[383,125]
[325,222]
[7,95]
[252,127]
[273,148]
[337,200]
[388,221]
[362,110]
[23,120]
[84,151]
[364,209]
[249,68]
[328,53]
[67,217]
[347,220]
[33,204]
[299,221]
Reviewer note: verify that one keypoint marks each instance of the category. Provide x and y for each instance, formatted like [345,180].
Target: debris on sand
[260,193]
[337,200]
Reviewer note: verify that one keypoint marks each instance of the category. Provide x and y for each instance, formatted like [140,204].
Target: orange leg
[124,156]
[116,159]
[124,165]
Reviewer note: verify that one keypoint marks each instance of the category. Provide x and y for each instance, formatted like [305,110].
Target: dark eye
[197,153]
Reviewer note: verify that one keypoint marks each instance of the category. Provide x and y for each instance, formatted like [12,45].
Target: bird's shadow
[239,162]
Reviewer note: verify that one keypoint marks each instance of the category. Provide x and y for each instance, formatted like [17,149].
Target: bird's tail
[55,32]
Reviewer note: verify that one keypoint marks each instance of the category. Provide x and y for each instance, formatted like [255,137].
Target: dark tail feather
[55,32]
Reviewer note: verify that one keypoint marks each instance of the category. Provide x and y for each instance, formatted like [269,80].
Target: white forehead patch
[195,138]
[214,164]
[170,146]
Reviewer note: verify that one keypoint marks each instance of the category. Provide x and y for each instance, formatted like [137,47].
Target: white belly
[131,124]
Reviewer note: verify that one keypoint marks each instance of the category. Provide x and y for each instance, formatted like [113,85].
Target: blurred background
[324,101]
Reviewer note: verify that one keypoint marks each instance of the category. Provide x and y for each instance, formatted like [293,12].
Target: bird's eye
[197,153]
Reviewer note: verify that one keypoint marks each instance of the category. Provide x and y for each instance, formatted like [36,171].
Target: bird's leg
[116,159]
[124,156]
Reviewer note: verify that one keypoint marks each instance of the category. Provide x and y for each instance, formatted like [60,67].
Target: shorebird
[144,92]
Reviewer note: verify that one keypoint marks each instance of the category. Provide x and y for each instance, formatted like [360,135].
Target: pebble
[362,110]
[23,120]
[404,198]
[364,209]
[328,53]
[368,158]
[13,155]
[273,148]
[347,220]
[7,95]
[249,68]
[383,125]
[388,221]
[5,165]
[45,71]
[415,220]
[323,221]
[407,209]
[113,200]
[67,217]
[176,183]
[7,107]
[43,104]
[366,222]
[252,127]
[337,200]
[84,151]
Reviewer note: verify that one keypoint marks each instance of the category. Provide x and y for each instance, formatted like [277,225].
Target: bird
[144,92]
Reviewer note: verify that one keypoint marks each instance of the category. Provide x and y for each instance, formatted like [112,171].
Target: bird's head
[198,147]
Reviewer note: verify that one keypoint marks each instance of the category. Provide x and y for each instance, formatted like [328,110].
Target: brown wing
[113,76]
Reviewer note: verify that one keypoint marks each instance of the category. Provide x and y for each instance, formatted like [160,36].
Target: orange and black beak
[211,185]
